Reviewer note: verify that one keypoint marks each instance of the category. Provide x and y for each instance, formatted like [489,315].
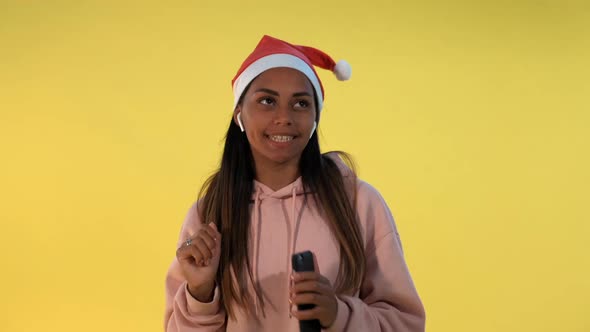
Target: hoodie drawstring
[295,220]
[256,249]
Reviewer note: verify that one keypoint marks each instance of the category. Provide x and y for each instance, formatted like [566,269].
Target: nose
[283,116]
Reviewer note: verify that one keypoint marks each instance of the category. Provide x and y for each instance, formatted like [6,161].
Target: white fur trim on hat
[274,61]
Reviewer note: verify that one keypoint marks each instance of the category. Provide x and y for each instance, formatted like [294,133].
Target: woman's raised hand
[199,260]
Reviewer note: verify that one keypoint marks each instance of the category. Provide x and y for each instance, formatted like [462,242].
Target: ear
[315,125]
[237,110]
[238,118]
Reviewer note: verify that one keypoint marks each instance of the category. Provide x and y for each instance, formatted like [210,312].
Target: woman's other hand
[313,288]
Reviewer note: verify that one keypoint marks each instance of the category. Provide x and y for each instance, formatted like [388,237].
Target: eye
[302,104]
[266,101]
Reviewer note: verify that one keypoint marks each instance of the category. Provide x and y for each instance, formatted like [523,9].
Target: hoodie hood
[262,191]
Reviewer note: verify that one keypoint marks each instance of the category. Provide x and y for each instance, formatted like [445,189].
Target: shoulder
[367,193]
[374,214]
[346,167]
[370,203]
[367,197]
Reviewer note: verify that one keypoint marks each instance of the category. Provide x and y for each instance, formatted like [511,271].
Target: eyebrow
[274,93]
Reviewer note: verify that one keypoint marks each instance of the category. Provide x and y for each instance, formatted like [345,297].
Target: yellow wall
[470,118]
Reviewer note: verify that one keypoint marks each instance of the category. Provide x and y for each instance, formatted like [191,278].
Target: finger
[316,267]
[205,250]
[303,276]
[188,253]
[324,280]
[184,251]
[308,314]
[208,239]
[310,287]
[320,299]
[212,230]
[314,276]
[197,256]
[310,298]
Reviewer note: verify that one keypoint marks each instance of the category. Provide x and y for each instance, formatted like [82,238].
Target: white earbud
[315,125]
[239,117]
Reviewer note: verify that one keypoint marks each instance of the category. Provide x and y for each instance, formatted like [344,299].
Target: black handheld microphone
[303,262]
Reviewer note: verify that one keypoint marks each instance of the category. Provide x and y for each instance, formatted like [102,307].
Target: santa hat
[272,53]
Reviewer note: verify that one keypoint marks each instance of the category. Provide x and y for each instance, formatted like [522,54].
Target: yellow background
[470,117]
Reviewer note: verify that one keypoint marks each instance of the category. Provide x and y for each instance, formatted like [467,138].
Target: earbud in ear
[239,117]
[315,125]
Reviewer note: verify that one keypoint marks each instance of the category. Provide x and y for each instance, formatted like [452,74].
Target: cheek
[255,129]
[250,119]
[307,120]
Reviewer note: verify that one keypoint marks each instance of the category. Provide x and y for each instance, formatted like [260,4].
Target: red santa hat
[272,53]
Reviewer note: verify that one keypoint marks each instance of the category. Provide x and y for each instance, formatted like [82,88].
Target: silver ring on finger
[188,242]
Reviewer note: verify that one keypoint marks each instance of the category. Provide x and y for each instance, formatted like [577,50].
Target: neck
[277,176]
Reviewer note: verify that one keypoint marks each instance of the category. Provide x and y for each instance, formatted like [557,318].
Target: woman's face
[278,111]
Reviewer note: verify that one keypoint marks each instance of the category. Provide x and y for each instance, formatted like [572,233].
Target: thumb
[316,267]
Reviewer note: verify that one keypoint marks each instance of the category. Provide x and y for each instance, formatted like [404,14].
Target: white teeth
[281,138]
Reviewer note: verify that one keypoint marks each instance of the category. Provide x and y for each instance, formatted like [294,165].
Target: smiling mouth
[280,139]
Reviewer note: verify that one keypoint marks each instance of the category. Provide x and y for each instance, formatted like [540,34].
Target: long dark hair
[226,197]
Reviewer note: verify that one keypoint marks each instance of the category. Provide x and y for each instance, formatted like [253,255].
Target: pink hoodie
[283,224]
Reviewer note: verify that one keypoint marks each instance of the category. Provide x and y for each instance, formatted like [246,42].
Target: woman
[274,195]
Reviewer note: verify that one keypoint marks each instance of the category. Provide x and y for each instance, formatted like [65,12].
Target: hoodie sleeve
[183,312]
[387,299]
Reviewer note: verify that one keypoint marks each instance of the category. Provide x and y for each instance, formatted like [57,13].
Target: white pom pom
[342,70]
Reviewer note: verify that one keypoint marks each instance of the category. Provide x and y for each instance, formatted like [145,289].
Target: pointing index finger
[212,230]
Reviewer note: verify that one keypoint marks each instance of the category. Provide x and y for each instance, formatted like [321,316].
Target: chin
[277,156]
[283,158]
